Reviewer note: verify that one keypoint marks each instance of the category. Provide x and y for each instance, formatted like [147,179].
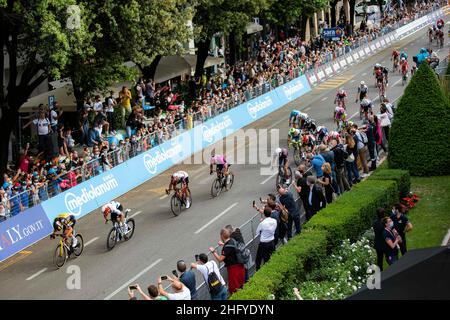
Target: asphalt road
[160,238]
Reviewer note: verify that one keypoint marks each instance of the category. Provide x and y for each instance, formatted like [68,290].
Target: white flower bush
[341,274]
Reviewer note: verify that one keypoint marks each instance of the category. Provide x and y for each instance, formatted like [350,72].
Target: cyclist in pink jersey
[221,163]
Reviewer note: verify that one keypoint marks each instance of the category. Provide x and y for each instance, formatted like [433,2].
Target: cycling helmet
[403,59]
[341,91]
[278,150]
[377,65]
[363,83]
[291,130]
[58,225]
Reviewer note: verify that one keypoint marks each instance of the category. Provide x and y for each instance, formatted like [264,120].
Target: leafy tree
[419,139]
[214,16]
[37,44]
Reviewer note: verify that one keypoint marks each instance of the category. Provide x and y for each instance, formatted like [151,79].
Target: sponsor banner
[372,47]
[336,66]
[329,70]
[320,74]
[383,42]
[343,63]
[349,59]
[312,78]
[290,91]
[378,45]
[355,55]
[367,50]
[23,230]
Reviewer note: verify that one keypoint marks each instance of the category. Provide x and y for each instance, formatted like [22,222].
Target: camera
[175,273]
[133,287]
[196,257]
[164,278]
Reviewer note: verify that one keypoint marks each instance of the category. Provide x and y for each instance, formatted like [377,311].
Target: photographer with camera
[187,278]
[211,273]
[152,291]
[181,292]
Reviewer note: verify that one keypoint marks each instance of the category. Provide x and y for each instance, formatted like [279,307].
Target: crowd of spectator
[67,156]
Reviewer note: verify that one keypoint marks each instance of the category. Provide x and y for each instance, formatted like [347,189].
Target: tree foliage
[419,139]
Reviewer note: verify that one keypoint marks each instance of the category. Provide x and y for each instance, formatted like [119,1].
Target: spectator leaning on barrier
[361,145]
[187,277]
[339,158]
[236,270]
[287,202]
[181,292]
[378,227]
[211,273]
[326,182]
[266,231]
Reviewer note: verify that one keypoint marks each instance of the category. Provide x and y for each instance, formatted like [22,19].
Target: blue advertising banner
[332,33]
[293,90]
[22,231]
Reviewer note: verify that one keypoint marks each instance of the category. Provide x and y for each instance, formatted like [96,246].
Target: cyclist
[309,141]
[404,67]
[293,119]
[377,71]
[440,24]
[65,222]
[294,135]
[404,55]
[339,115]
[413,70]
[363,90]
[116,210]
[302,119]
[385,71]
[180,177]
[221,164]
[430,34]
[309,125]
[340,97]
[322,134]
[395,57]
[366,106]
[283,161]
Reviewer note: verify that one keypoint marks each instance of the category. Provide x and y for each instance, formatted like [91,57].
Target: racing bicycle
[221,182]
[117,234]
[283,179]
[178,200]
[404,77]
[62,250]
[298,154]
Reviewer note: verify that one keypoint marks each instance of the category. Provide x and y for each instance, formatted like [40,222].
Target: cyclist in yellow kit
[65,222]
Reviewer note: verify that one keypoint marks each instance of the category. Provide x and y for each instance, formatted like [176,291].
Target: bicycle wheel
[112,239]
[231,180]
[175,205]
[216,187]
[60,256]
[297,157]
[130,225]
[80,245]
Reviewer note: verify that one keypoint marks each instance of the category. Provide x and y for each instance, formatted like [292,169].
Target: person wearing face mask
[392,241]
[401,225]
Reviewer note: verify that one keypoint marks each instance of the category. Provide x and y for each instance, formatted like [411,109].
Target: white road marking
[90,241]
[364,74]
[138,212]
[217,217]
[352,81]
[36,274]
[163,197]
[353,115]
[307,109]
[399,80]
[133,279]
[323,99]
[269,178]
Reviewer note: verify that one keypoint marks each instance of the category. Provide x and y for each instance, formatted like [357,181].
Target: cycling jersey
[404,66]
[440,23]
[295,135]
[180,177]
[339,113]
[218,159]
[404,55]
[294,113]
[64,221]
[385,70]
[395,54]
[115,210]
[363,89]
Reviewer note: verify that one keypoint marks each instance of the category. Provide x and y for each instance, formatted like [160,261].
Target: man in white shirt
[43,129]
[181,292]
[98,105]
[266,231]
[206,267]
[111,103]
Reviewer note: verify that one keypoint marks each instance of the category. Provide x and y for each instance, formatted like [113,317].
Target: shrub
[419,139]
[354,211]
[288,265]
[402,177]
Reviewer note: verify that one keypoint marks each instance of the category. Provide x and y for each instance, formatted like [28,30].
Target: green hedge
[347,218]
[354,212]
[288,264]
[402,177]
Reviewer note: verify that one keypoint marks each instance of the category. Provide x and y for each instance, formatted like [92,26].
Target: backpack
[242,253]
[363,137]
[214,284]
[284,216]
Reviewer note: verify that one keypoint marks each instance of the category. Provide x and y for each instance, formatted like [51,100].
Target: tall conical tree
[420,135]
